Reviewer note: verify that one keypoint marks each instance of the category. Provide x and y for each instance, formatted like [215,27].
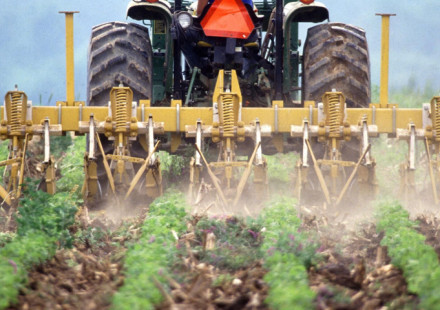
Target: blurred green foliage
[287,252]
[172,166]
[408,96]
[149,260]
[43,226]
[408,251]
[71,167]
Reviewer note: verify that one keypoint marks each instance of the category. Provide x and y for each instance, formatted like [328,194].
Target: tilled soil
[85,277]
[214,286]
[355,272]
[244,289]
[73,279]
[429,225]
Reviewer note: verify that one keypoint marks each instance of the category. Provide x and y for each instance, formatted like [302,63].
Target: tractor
[235,55]
[148,58]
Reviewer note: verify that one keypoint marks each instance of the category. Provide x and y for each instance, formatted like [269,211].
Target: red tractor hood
[229,19]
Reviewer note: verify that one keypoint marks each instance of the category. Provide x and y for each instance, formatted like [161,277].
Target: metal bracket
[92,132]
[259,154]
[365,141]
[305,153]
[199,135]
[46,142]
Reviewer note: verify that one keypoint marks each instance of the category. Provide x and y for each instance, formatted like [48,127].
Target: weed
[92,237]
[6,237]
[237,242]
[222,280]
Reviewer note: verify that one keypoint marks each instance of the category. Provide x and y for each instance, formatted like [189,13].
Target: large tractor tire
[336,57]
[119,53]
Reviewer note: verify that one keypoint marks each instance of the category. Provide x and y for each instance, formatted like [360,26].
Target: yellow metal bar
[383,118]
[5,195]
[385,51]
[70,71]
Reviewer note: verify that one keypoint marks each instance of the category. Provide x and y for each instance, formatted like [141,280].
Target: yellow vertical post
[385,51]
[70,72]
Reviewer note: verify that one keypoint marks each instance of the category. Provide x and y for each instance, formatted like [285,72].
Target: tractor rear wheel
[119,53]
[336,57]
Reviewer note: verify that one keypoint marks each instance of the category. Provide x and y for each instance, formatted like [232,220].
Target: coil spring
[437,116]
[121,109]
[228,115]
[16,112]
[334,111]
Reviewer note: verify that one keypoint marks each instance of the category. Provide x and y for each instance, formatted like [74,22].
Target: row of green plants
[288,252]
[408,251]
[43,223]
[275,236]
[147,263]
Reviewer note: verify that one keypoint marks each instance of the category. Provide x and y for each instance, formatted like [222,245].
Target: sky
[32,36]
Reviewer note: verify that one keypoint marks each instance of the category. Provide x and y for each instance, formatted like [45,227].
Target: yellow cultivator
[334,139]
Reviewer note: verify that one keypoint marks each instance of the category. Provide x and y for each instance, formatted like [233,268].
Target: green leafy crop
[287,253]
[43,223]
[4,151]
[149,260]
[172,166]
[72,168]
[409,252]
[17,257]
[51,215]
[281,167]
[6,237]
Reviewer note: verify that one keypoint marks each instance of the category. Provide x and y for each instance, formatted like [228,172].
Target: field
[57,254]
